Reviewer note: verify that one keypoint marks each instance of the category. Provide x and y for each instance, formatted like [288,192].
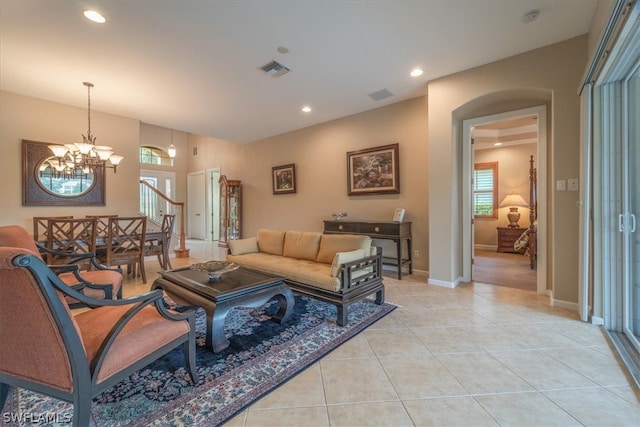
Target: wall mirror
[46,182]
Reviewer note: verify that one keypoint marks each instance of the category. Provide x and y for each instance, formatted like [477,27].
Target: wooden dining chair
[97,282]
[125,245]
[40,224]
[102,224]
[160,247]
[47,349]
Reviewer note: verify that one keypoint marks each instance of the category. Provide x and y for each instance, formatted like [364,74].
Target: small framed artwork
[373,171]
[284,179]
[398,215]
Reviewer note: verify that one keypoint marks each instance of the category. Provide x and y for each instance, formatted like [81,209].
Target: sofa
[336,268]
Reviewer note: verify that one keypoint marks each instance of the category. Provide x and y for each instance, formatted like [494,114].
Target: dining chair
[40,224]
[160,246]
[125,245]
[98,282]
[102,224]
[47,349]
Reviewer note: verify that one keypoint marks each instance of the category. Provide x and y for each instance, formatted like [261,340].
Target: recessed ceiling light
[497,144]
[282,49]
[306,109]
[416,72]
[94,16]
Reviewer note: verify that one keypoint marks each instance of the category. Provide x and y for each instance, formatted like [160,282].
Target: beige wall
[38,120]
[319,153]
[513,176]
[556,70]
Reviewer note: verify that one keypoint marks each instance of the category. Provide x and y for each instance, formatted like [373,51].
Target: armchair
[78,357]
[101,282]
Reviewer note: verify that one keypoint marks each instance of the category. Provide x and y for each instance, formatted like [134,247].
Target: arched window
[154,156]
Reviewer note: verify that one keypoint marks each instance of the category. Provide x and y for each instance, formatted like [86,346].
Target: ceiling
[195,65]
[505,133]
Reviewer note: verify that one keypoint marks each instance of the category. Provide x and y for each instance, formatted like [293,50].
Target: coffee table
[239,288]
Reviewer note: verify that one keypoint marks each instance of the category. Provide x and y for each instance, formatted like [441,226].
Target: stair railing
[148,198]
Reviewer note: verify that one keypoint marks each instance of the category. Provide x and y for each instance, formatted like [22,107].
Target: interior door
[196,210]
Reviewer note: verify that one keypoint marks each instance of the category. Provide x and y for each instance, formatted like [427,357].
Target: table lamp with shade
[513,201]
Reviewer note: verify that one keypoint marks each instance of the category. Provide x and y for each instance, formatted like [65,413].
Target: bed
[527,243]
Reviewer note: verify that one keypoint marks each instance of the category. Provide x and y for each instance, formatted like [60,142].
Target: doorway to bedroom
[504,198]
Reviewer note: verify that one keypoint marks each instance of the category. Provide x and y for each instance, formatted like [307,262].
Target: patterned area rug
[262,355]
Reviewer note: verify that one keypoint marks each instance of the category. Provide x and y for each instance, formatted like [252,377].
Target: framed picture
[373,171]
[284,179]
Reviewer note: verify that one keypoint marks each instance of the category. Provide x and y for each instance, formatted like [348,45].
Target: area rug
[262,355]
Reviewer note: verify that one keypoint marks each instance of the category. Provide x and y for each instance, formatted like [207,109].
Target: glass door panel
[632,181]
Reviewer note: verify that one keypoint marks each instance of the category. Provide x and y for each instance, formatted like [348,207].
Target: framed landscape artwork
[373,171]
[284,179]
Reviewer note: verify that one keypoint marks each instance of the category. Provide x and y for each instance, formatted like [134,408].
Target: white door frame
[467,204]
[191,207]
[212,207]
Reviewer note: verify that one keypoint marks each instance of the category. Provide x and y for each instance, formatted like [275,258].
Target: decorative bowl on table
[215,269]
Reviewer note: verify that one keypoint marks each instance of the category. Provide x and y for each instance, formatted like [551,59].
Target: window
[485,190]
[154,156]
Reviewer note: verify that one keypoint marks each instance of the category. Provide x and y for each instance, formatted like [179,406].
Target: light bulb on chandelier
[85,157]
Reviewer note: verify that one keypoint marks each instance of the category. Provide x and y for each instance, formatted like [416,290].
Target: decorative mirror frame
[34,194]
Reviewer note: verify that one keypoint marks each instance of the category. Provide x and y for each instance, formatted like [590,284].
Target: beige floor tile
[493,338]
[390,414]
[305,389]
[482,373]
[628,393]
[525,409]
[356,347]
[597,407]
[448,339]
[395,343]
[600,368]
[390,321]
[542,371]
[420,377]
[355,381]
[449,412]
[309,417]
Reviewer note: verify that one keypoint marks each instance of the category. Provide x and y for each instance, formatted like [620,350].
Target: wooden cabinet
[230,210]
[396,231]
[507,237]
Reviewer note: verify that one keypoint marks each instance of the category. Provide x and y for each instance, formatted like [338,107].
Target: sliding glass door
[631,214]
[616,118]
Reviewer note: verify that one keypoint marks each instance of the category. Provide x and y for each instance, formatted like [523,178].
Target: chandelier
[83,158]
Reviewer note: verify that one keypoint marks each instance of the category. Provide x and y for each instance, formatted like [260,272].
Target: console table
[387,230]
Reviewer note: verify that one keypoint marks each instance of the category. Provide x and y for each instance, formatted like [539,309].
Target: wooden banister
[182,251]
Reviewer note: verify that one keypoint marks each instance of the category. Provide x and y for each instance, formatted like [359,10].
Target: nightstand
[507,237]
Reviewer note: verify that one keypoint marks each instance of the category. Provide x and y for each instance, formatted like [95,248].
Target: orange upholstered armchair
[101,282]
[75,358]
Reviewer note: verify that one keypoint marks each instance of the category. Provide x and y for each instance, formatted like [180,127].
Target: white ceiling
[194,65]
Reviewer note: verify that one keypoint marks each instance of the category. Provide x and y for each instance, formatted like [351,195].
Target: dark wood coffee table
[239,288]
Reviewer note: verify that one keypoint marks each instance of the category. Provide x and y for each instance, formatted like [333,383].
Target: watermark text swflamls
[33,418]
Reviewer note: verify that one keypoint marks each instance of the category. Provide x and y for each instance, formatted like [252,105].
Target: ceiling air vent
[275,69]
[379,95]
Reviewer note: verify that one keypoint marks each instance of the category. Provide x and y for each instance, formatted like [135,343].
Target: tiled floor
[478,355]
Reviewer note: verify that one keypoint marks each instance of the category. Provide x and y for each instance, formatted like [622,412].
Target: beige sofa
[336,268]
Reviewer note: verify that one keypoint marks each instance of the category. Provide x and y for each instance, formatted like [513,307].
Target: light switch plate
[561,185]
[572,184]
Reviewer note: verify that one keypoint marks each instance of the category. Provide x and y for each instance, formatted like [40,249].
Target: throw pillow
[344,257]
[243,246]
